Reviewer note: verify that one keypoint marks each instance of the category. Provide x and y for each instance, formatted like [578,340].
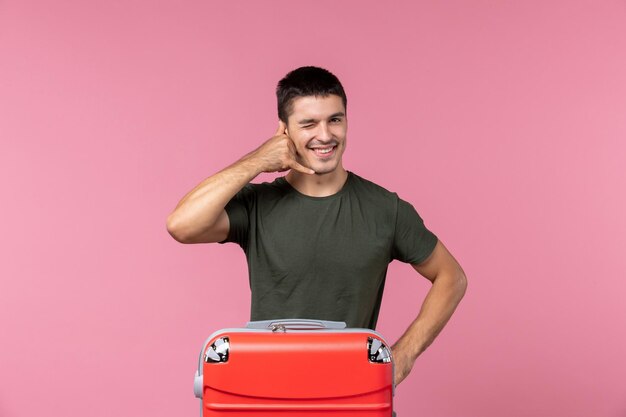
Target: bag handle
[295,324]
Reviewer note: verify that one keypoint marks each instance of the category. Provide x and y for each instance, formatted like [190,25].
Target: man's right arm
[200,217]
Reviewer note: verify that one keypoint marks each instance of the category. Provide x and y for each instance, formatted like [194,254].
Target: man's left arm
[448,287]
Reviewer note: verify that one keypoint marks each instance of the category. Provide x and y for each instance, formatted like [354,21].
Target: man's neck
[318,185]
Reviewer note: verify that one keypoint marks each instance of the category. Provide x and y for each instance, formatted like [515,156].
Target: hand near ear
[278,153]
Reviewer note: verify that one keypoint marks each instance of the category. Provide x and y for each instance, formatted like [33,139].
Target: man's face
[318,126]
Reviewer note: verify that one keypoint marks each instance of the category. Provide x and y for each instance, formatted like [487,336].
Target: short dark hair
[306,81]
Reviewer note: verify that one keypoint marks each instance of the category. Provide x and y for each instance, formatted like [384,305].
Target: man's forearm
[199,210]
[201,206]
[442,299]
[445,294]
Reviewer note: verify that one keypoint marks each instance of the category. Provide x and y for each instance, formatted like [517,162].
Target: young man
[318,240]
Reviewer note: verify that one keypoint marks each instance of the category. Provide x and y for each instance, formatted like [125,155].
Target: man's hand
[279,153]
[402,362]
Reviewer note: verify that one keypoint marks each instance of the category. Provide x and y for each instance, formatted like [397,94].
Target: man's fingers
[301,168]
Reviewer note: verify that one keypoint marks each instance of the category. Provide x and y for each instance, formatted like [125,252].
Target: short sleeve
[413,242]
[238,211]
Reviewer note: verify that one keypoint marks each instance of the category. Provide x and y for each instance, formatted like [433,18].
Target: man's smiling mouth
[324,151]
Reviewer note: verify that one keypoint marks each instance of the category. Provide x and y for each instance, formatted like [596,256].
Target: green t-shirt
[323,257]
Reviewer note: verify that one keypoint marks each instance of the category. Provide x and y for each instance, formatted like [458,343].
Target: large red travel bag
[295,368]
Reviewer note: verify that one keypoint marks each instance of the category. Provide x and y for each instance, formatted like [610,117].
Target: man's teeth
[324,150]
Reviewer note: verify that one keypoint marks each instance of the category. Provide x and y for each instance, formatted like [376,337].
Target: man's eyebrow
[305,121]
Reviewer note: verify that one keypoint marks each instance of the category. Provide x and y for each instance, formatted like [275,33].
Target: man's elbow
[460,283]
[176,230]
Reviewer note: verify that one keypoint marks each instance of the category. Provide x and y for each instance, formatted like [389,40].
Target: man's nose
[323,132]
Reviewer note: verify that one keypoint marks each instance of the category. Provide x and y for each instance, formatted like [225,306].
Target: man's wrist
[412,343]
[252,163]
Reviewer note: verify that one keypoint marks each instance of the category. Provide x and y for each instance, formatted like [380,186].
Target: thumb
[295,165]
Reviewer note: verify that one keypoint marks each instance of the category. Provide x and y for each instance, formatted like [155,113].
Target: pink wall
[503,122]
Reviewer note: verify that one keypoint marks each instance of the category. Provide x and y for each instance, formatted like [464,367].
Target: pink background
[504,123]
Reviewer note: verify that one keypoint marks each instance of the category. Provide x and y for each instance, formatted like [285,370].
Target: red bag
[295,368]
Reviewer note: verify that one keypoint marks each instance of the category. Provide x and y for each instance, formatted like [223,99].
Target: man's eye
[335,119]
[307,126]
